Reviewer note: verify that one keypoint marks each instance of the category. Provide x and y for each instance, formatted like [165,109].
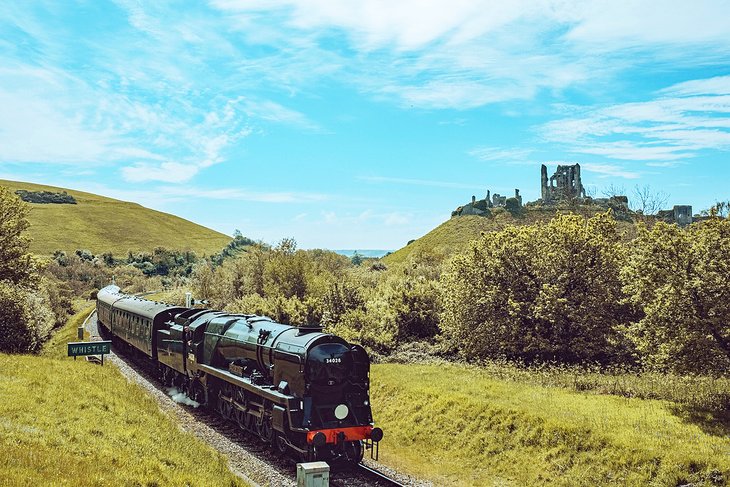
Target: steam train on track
[297,388]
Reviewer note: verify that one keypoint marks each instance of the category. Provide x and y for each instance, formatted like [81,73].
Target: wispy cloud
[274,112]
[245,195]
[610,170]
[392,218]
[163,103]
[464,53]
[164,194]
[679,123]
[501,154]
[418,182]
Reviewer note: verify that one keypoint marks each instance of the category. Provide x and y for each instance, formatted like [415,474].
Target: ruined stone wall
[564,184]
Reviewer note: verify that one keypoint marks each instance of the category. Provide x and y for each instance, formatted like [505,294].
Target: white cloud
[719,85]
[33,130]
[243,194]
[500,154]
[396,218]
[679,123]
[610,170]
[418,182]
[274,112]
[168,172]
[466,53]
[636,22]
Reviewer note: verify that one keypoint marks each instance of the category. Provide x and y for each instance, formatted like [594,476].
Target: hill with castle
[560,193]
[564,189]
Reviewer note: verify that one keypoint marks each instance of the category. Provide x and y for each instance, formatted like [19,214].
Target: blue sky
[361,124]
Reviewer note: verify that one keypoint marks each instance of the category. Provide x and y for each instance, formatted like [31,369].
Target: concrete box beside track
[313,474]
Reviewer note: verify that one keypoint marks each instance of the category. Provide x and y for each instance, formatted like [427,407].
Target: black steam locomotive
[297,388]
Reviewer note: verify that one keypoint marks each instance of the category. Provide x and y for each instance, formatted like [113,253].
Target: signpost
[76,349]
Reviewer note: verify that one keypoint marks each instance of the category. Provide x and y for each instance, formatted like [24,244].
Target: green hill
[102,224]
[454,235]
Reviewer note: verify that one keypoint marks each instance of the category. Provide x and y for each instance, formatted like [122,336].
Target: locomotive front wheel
[354,451]
[280,443]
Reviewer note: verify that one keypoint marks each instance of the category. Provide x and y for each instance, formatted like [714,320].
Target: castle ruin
[481,207]
[680,214]
[565,184]
[564,189]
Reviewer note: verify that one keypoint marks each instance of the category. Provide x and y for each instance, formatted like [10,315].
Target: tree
[286,271]
[16,263]
[680,279]
[416,305]
[613,190]
[720,209]
[544,292]
[647,201]
[26,317]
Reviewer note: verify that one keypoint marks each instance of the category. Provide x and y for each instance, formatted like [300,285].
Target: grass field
[66,422]
[459,425]
[102,224]
[454,235]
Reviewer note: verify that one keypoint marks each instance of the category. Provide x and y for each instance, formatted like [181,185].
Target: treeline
[162,268]
[569,291]
[84,273]
[363,303]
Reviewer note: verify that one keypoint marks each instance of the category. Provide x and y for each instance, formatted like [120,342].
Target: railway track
[265,467]
[378,478]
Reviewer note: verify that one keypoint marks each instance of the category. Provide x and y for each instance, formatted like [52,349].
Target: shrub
[25,319]
[680,279]
[547,292]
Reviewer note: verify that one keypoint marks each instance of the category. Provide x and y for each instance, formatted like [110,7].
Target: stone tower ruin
[565,184]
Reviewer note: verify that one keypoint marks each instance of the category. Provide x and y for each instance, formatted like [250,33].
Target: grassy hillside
[102,224]
[459,426]
[66,422]
[453,235]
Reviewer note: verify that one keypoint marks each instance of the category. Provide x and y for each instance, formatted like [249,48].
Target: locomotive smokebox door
[313,474]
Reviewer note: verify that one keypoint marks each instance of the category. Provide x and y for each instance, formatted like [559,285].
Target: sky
[362,124]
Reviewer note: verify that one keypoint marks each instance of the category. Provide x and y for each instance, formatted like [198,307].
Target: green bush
[680,280]
[25,319]
[546,292]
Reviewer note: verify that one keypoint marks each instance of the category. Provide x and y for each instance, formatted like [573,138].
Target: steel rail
[380,475]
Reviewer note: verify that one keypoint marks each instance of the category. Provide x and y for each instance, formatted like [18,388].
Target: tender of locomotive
[295,387]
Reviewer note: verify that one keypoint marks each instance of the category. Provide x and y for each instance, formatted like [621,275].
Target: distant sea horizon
[363,252]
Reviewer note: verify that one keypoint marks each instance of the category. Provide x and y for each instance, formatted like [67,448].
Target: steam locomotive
[297,388]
